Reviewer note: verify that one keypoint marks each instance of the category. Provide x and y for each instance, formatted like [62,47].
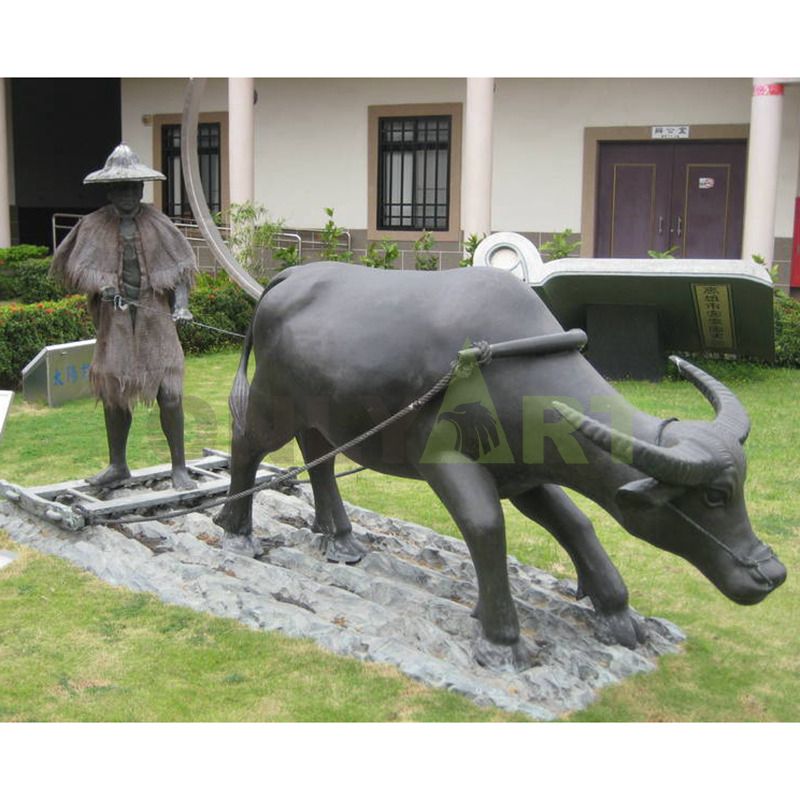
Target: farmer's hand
[182,314]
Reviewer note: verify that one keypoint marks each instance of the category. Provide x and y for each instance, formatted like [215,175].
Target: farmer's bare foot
[112,475]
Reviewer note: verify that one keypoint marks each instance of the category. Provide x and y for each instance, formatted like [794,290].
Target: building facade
[705,168]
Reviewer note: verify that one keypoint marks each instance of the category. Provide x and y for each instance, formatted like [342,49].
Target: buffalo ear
[647,492]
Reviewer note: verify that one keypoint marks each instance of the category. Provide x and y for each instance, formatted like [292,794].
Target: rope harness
[748,563]
[460,367]
[121,304]
[480,354]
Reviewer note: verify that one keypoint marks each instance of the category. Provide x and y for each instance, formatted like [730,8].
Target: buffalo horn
[684,464]
[730,412]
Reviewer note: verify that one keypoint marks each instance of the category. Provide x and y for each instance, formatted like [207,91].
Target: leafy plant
[252,236]
[286,256]
[216,300]
[470,246]
[381,255]
[560,245]
[331,244]
[424,259]
[773,271]
[663,253]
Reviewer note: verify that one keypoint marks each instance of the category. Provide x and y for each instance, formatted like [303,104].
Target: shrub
[26,329]
[218,301]
[32,283]
[381,256]
[560,246]
[423,258]
[470,246]
[331,241]
[21,252]
[787,330]
[11,259]
[252,236]
[8,285]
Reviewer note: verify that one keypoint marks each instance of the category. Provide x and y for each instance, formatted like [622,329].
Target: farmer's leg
[118,425]
[170,408]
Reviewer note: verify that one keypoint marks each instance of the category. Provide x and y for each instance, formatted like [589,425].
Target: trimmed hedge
[32,283]
[21,252]
[26,329]
[11,260]
[787,331]
[217,301]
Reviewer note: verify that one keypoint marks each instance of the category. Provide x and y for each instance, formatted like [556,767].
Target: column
[476,158]
[241,139]
[5,193]
[794,275]
[762,169]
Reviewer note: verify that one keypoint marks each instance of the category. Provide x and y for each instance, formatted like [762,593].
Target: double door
[655,196]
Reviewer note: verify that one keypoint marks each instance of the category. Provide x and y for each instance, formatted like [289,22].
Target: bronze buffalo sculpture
[340,347]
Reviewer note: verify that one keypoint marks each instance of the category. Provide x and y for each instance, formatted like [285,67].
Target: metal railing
[64,223]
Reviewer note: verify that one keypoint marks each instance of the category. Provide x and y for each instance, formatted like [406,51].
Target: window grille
[414,173]
[175,202]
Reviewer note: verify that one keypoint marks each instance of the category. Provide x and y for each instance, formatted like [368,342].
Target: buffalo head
[690,498]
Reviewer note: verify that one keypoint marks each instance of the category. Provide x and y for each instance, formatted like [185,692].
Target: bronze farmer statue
[136,269]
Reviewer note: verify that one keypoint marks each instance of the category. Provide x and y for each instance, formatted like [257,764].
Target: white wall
[538,152]
[311,142]
[311,136]
[149,96]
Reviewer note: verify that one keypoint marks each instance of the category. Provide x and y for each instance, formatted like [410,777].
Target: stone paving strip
[407,603]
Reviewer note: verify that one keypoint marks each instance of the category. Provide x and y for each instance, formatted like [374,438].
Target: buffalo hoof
[344,549]
[621,627]
[248,546]
[502,628]
[515,657]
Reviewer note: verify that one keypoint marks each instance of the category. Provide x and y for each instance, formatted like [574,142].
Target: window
[212,150]
[173,198]
[414,171]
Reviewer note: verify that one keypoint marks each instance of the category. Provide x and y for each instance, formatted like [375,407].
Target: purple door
[653,196]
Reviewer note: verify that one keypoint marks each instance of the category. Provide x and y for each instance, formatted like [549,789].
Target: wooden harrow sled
[74,504]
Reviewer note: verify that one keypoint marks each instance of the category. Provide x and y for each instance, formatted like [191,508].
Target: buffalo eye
[715,498]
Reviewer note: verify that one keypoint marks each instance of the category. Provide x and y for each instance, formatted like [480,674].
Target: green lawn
[73,648]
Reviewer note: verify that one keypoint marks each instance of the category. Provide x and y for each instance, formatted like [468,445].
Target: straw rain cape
[130,362]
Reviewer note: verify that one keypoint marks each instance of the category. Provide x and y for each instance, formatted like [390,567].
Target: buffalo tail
[237,402]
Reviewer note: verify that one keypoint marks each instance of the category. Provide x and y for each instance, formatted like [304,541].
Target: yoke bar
[546,344]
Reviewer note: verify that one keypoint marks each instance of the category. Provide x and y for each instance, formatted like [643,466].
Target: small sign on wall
[705,183]
[670,132]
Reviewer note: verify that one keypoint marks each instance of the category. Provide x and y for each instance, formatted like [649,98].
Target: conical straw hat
[123,165]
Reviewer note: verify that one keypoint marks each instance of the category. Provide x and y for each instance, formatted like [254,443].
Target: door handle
[660,225]
[680,227]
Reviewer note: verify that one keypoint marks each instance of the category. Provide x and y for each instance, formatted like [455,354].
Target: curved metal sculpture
[194,191]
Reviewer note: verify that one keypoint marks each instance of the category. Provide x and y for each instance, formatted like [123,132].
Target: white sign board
[670,132]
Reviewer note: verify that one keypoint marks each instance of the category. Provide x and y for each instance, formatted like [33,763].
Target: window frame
[375,114]
[162,120]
